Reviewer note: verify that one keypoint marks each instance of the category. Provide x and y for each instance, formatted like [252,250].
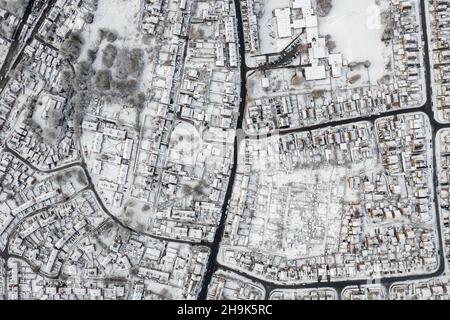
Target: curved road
[212,264]
[427,108]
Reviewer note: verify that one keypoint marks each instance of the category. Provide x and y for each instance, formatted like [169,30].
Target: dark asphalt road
[212,264]
[338,285]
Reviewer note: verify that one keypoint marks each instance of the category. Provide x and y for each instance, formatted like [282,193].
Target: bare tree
[109,55]
[16,7]
[103,79]
[72,45]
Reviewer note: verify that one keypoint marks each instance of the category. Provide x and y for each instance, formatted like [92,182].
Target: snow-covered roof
[284,22]
[315,73]
[335,61]
[300,4]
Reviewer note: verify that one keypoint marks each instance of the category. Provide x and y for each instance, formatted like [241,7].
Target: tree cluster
[323,7]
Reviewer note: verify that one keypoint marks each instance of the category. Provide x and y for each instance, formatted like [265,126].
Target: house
[283,17]
[315,73]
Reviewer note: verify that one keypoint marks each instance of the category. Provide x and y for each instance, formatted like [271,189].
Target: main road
[427,108]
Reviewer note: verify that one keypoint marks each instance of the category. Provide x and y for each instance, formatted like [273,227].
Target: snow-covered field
[356,28]
[3,53]
[121,16]
[268,35]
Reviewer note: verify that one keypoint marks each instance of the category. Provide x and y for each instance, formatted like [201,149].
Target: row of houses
[228,286]
[64,17]
[403,89]
[202,105]
[439,39]
[432,289]
[45,239]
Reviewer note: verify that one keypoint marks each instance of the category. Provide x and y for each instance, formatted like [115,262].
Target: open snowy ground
[121,16]
[268,34]
[355,26]
[314,203]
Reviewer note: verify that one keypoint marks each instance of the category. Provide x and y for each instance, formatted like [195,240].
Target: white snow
[186,144]
[268,26]
[355,26]
[119,15]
